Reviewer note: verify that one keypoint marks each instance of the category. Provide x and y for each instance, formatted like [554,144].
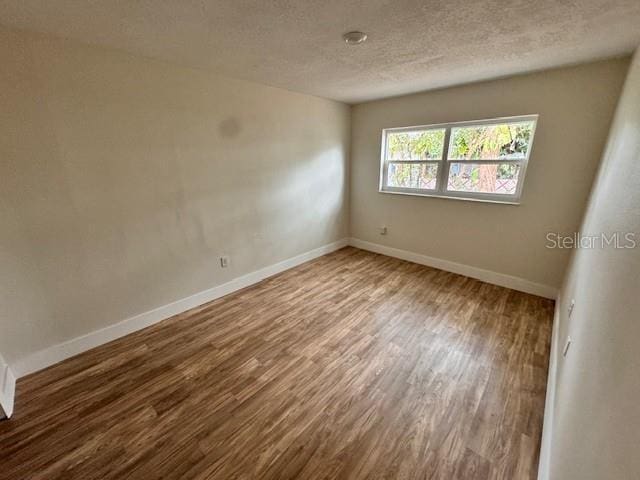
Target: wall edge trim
[550,397]
[7,389]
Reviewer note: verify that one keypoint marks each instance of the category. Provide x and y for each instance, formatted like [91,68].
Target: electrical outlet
[566,347]
[224,261]
[571,305]
[383,230]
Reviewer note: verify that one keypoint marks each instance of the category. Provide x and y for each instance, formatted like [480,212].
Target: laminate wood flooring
[351,366]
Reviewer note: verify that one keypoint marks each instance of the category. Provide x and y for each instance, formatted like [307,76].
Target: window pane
[497,178]
[418,145]
[408,175]
[508,141]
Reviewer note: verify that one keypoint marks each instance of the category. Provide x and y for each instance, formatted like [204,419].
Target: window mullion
[443,171]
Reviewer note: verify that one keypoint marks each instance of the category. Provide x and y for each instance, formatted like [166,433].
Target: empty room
[320,240]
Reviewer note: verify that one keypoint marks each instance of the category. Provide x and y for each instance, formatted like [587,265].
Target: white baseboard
[56,353]
[7,389]
[488,276]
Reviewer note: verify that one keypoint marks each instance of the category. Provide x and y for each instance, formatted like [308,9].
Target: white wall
[575,106]
[124,180]
[592,424]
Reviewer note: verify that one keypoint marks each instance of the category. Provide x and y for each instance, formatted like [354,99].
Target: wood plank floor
[352,366]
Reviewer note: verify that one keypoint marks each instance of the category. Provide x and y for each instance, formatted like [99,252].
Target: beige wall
[593,408]
[575,106]
[124,179]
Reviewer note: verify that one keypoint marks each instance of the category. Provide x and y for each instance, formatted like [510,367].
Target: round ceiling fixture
[354,38]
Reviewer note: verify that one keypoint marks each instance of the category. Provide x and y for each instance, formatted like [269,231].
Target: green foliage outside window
[421,145]
[491,142]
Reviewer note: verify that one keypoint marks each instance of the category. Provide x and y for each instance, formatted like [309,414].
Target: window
[480,160]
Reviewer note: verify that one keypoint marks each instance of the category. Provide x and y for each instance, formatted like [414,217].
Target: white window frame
[444,164]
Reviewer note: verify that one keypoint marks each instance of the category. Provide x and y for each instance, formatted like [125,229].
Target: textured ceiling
[412,45]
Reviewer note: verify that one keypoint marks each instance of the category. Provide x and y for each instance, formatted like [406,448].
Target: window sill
[453,197]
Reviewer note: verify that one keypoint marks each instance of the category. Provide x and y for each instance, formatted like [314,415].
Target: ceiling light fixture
[354,38]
